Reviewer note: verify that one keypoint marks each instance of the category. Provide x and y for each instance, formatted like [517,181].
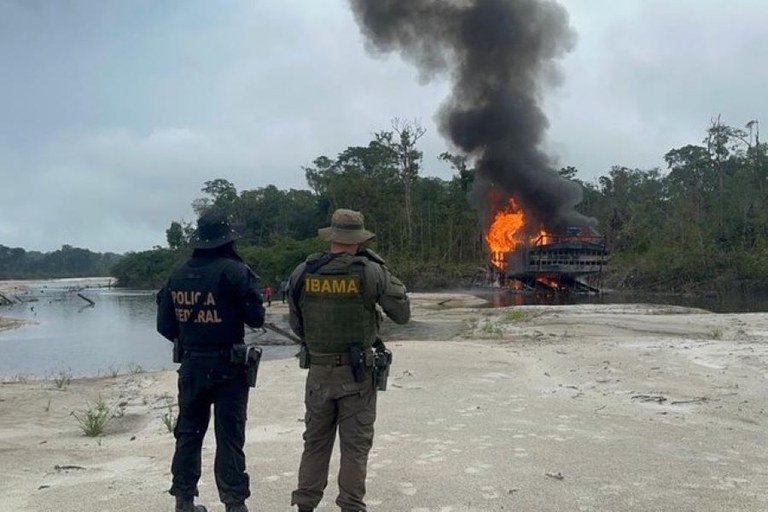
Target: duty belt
[318,359]
[194,354]
[339,359]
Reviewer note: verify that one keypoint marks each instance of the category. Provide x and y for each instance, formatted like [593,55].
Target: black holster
[178,351]
[249,357]
[303,356]
[357,362]
[382,360]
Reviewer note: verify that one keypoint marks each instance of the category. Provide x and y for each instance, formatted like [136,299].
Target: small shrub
[95,418]
[716,333]
[492,329]
[63,378]
[113,370]
[135,368]
[514,315]
[169,419]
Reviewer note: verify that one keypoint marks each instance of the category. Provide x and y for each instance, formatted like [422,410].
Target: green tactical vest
[335,312]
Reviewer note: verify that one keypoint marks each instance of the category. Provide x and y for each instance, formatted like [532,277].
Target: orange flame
[507,233]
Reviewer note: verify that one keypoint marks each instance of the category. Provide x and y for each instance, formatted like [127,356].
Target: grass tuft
[63,379]
[170,418]
[135,368]
[95,417]
[515,315]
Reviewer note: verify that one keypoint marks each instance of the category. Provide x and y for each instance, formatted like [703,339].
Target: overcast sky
[114,113]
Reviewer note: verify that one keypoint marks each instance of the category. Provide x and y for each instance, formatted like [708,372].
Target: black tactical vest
[209,317]
[335,312]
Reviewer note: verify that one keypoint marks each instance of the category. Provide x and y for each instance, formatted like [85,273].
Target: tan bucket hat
[346,227]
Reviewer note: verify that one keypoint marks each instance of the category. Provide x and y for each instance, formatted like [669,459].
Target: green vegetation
[491,329]
[169,419]
[702,222]
[135,368]
[95,418]
[515,316]
[716,333]
[16,263]
[424,226]
[63,378]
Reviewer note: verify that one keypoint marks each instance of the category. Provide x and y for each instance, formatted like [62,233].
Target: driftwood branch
[86,299]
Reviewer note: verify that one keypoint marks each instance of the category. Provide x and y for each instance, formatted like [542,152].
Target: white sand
[637,408]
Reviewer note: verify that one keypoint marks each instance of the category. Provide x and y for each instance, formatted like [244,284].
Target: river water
[69,336]
[118,333]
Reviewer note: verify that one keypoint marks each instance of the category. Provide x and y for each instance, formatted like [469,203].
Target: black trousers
[206,381]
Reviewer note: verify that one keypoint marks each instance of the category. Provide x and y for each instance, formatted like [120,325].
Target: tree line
[17,263]
[424,226]
[701,224]
[698,224]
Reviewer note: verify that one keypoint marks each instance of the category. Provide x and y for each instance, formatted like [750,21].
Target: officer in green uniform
[202,309]
[333,307]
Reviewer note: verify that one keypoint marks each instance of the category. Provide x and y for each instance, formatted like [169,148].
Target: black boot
[237,507]
[188,505]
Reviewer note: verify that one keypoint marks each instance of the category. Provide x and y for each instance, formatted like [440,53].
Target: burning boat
[570,262]
[501,56]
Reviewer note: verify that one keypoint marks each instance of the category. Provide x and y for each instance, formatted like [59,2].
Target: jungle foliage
[701,222]
[17,263]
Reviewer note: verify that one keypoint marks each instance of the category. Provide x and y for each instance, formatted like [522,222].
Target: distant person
[268,295]
[333,308]
[202,309]
[284,290]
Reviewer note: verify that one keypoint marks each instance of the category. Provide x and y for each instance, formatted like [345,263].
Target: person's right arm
[294,313]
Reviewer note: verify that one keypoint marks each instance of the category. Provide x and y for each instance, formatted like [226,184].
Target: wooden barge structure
[571,263]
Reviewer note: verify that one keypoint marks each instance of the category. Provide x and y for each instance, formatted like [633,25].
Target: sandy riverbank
[585,408]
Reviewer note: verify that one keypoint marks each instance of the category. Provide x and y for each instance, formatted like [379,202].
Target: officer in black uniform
[202,309]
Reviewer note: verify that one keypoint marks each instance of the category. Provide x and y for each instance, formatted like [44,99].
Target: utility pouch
[249,356]
[303,356]
[382,360]
[357,362]
[178,352]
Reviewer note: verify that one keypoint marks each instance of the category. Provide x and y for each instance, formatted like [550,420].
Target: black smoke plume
[499,55]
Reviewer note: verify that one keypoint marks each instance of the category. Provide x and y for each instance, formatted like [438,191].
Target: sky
[114,114]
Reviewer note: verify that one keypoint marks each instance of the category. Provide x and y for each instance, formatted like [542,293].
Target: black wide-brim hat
[214,230]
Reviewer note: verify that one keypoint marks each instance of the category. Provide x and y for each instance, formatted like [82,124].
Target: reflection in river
[117,334]
[717,303]
[68,335]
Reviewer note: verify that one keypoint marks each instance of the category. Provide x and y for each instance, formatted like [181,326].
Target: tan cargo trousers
[333,399]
